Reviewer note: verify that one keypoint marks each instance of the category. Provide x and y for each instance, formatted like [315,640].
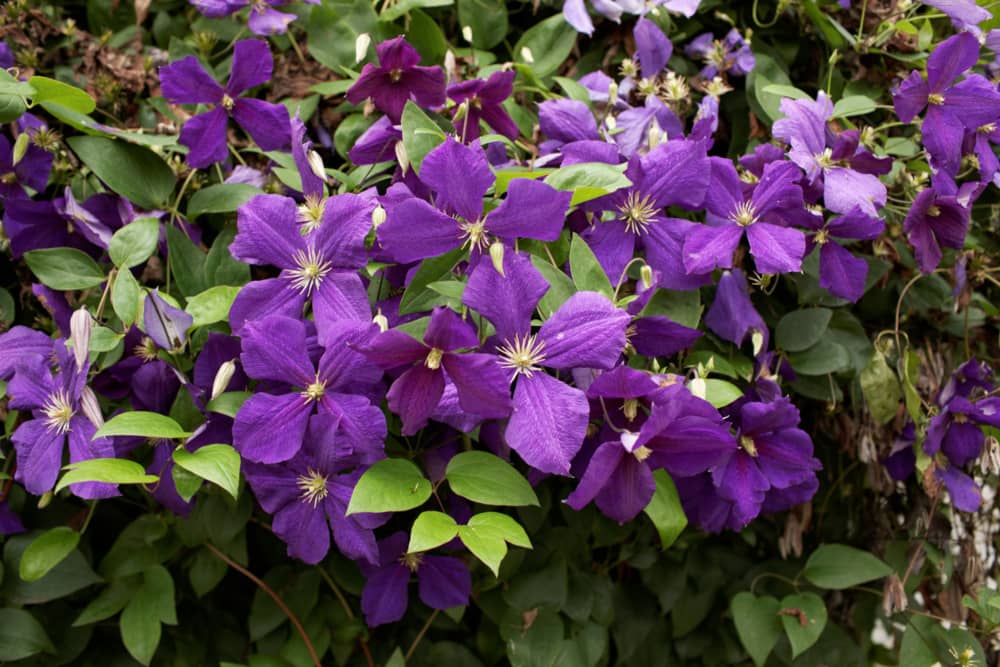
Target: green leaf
[853,105]
[140,620]
[125,297]
[393,12]
[141,423]
[588,180]
[7,311]
[839,566]
[824,357]
[333,29]
[187,262]
[504,526]
[786,91]
[421,135]
[803,616]
[134,243]
[12,94]
[109,602]
[65,95]
[431,530]
[880,388]
[719,393]
[801,329]
[766,72]
[757,624]
[134,172]
[220,198]
[546,45]
[64,268]
[561,287]
[586,270]
[186,483]
[219,464]
[487,534]
[665,511]
[391,485]
[72,574]
[228,403]
[484,478]
[110,471]
[417,297]
[221,268]
[21,636]
[486,18]
[212,305]
[103,339]
[46,551]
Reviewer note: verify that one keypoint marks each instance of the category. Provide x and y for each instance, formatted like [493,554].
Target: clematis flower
[484,101]
[964,14]
[32,224]
[55,405]
[31,171]
[732,315]
[271,427]
[377,144]
[443,582]
[460,177]
[308,497]
[320,266]
[22,345]
[186,82]
[951,108]
[479,381]
[729,55]
[934,222]
[396,79]
[776,201]
[166,325]
[653,48]
[840,272]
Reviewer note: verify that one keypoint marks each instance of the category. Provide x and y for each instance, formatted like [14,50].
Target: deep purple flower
[484,101]
[732,315]
[398,78]
[164,323]
[729,55]
[377,144]
[776,202]
[320,266]
[460,177]
[186,82]
[840,272]
[21,345]
[481,384]
[62,222]
[964,14]
[652,48]
[951,107]
[443,582]
[55,404]
[31,171]
[935,222]
[271,427]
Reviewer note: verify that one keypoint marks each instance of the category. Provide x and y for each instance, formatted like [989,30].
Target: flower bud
[91,408]
[223,377]
[378,216]
[698,387]
[361,45]
[402,157]
[467,33]
[496,256]
[80,325]
[381,321]
[613,93]
[20,148]
[461,111]
[893,596]
[656,135]
[316,165]
[610,123]
[526,55]
[757,338]
[990,461]
[450,65]
[646,276]
[44,501]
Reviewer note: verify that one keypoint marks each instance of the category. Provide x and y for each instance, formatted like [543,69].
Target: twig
[420,635]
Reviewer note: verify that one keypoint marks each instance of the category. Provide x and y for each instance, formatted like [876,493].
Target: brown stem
[420,636]
[274,596]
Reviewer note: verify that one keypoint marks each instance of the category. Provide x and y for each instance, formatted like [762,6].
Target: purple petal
[251,66]
[652,47]
[267,232]
[39,456]
[185,81]
[548,424]
[274,348]
[267,124]
[707,247]
[575,13]
[460,175]
[414,395]
[532,210]
[586,331]
[83,447]
[205,137]
[21,345]
[964,493]
[910,97]
[269,428]
[166,325]
[507,300]
[341,297]
[659,336]
[732,315]
[385,596]
[483,387]
[567,120]
[303,528]
[447,331]
[346,222]
[952,57]
[598,474]
[841,272]
[776,249]
[415,230]
[443,582]
[268,21]
[260,298]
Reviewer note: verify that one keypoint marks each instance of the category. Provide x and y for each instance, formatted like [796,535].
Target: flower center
[822,237]
[58,411]
[744,214]
[628,68]
[314,392]
[935,98]
[433,360]
[523,355]
[8,178]
[312,268]
[146,349]
[630,408]
[411,561]
[310,213]
[641,453]
[989,128]
[228,102]
[959,418]
[395,75]
[825,159]
[474,234]
[637,212]
[313,487]
[747,443]
[718,56]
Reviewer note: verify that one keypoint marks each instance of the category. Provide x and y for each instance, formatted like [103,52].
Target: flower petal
[587,331]
[548,424]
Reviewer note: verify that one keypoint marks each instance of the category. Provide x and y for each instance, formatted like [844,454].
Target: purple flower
[480,383]
[729,55]
[271,427]
[21,345]
[55,404]
[443,582]
[396,79]
[653,48]
[308,497]
[840,272]
[484,101]
[165,324]
[964,14]
[732,315]
[460,177]
[377,144]
[320,266]
[186,82]
[951,107]
[935,222]
[31,171]
[775,202]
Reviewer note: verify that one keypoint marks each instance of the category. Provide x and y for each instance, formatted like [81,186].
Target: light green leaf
[853,105]
[134,243]
[46,551]
[125,297]
[57,92]
[880,388]
[561,287]
[504,526]
[586,270]
[219,464]
[110,471]
[431,530]
[212,305]
[838,566]
[391,485]
[421,134]
[484,478]
[228,403]
[141,423]
[588,180]
[64,268]
[665,511]
[786,91]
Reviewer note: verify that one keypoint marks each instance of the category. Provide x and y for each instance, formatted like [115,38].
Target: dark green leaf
[484,478]
[486,18]
[109,602]
[822,358]
[801,329]
[220,198]
[757,624]
[880,388]
[391,485]
[187,262]
[546,45]
[136,173]
[803,616]
[561,287]
[21,635]
[64,268]
[854,105]
[417,297]
[46,551]
[839,566]
[125,297]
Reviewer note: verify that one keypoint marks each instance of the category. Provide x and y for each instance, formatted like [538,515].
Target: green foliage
[391,485]
[484,478]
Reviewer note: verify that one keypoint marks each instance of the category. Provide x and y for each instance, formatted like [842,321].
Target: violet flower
[186,82]
[55,404]
[479,381]
[20,345]
[460,176]
[964,14]
[443,582]
[652,48]
[484,101]
[732,315]
[776,201]
[729,55]
[271,427]
[166,325]
[840,272]
[31,171]
[320,266]
[397,79]
[934,222]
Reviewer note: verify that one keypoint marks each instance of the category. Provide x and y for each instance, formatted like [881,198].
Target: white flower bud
[222,377]
[381,321]
[757,338]
[361,45]
[316,165]
[613,93]
[646,276]
[80,325]
[496,255]
[697,387]
[91,408]
[378,216]
[467,33]
[526,55]
[402,157]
